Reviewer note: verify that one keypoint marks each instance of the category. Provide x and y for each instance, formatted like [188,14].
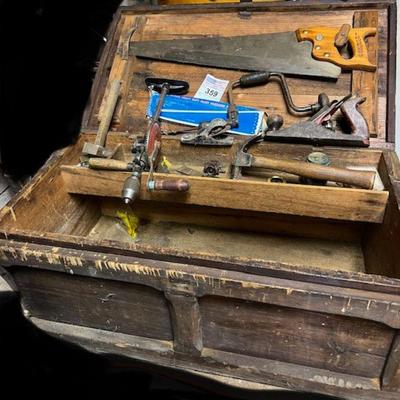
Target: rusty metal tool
[146,150]
[316,132]
[280,52]
[263,78]
[362,179]
[214,133]
[212,168]
[306,52]
[98,148]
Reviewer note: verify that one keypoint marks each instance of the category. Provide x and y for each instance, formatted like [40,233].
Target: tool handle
[109,164]
[111,103]
[174,86]
[342,36]
[178,185]
[254,79]
[355,119]
[362,179]
[324,48]
[262,78]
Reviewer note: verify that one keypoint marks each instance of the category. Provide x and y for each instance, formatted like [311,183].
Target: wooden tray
[246,194]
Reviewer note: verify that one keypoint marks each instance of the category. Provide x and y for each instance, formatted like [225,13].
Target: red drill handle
[178,185]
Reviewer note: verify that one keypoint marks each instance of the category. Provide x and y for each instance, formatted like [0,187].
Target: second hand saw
[295,53]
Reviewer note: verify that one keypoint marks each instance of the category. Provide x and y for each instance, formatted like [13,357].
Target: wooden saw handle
[324,48]
[362,179]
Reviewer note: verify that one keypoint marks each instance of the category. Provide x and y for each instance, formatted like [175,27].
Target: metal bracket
[209,134]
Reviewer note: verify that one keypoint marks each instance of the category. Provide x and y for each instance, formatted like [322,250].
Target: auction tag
[211,88]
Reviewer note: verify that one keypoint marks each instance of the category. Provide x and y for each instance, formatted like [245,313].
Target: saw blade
[275,52]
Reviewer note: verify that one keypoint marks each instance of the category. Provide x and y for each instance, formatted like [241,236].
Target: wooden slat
[382,78]
[314,201]
[104,304]
[365,83]
[185,321]
[260,330]
[173,25]
[381,253]
[391,375]
[132,28]
[302,227]
[138,265]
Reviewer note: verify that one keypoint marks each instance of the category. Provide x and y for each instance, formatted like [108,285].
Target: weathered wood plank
[391,76]
[185,320]
[391,376]
[301,273]
[132,29]
[382,78]
[328,342]
[105,304]
[381,254]
[142,269]
[365,83]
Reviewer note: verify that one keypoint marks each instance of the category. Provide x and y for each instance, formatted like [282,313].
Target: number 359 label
[211,88]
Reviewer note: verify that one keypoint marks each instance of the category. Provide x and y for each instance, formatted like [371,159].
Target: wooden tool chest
[278,283]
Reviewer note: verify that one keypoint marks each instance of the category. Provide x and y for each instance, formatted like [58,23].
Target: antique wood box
[284,284]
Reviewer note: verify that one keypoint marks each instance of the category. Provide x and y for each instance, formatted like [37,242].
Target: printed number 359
[212,92]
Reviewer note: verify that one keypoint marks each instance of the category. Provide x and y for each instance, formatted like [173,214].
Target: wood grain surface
[314,201]
[365,84]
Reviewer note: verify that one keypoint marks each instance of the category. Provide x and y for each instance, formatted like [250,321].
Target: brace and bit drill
[146,150]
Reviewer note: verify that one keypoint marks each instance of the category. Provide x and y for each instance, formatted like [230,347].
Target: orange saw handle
[324,48]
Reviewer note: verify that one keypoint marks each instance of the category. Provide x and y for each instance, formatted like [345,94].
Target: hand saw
[286,52]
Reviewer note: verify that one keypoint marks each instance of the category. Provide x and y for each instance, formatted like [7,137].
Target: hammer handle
[362,179]
[109,164]
[110,105]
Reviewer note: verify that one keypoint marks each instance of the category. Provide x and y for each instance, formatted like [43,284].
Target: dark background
[48,59]
[49,52]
